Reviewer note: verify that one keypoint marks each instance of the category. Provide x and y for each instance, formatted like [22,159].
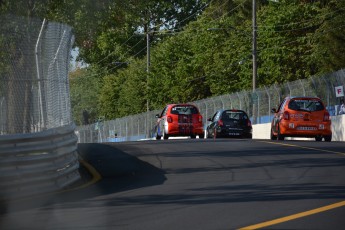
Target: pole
[40,90]
[147,81]
[254,58]
[147,65]
[254,46]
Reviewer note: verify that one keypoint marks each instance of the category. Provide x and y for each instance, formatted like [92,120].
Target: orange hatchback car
[179,120]
[301,117]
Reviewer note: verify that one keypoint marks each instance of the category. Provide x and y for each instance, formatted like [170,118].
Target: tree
[296,39]
[115,24]
[85,88]
[284,49]
[329,38]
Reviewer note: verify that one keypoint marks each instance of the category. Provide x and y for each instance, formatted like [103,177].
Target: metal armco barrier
[36,163]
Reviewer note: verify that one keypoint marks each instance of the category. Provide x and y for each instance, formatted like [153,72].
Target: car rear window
[230,115]
[188,109]
[306,105]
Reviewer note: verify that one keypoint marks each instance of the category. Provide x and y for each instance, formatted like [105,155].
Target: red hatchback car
[179,120]
[301,117]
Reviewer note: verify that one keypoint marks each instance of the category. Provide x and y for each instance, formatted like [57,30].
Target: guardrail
[36,163]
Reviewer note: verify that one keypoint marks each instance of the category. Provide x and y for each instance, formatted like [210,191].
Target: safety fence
[37,140]
[34,89]
[257,104]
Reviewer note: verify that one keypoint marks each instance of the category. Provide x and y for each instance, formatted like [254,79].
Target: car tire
[272,136]
[280,136]
[213,134]
[328,138]
[165,136]
[318,138]
[156,133]
[209,134]
[193,136]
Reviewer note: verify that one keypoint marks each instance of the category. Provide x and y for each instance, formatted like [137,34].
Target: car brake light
[200,119]
[286,115]
[220,123]
[249,123]
[169,119]
[326,116]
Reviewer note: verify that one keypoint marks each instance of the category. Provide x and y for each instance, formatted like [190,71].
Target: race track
[197,184]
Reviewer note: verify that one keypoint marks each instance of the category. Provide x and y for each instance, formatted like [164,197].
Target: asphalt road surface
[196,184]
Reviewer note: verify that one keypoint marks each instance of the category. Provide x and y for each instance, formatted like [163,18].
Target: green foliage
[329,38]
[284,47]
[85,88]
[190,61]
[132,98]
[198,62]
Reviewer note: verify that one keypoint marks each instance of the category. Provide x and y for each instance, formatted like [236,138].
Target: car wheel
[156,133]
[193,136]
[209,134]
[318,138]
[272,135]
[328,138]
[213,133]
[165,136]
[280,136]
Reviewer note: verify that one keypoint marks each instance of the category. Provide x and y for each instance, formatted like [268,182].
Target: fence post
[239,99]
[302,87]
[40,93]
[269,102]
[328,93]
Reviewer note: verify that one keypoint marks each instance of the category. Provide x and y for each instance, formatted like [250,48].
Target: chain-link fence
[258,105]
[122,129]
[34,62]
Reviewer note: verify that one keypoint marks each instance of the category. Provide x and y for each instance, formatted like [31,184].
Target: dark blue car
[229,123]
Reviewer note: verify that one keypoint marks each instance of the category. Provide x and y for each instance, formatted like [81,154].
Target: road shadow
[119,170]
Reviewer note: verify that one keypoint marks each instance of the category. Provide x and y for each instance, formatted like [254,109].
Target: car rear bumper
[234,133]
[184,130]
[305,129]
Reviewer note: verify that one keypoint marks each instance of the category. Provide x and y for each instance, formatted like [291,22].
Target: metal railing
[36,163]
[258,105]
